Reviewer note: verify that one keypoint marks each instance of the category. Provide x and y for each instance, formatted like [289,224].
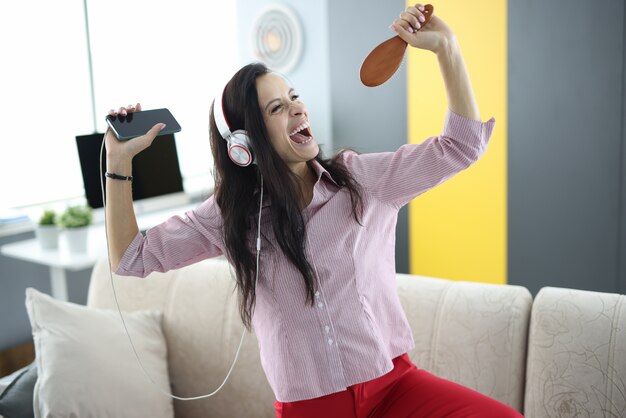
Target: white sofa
[561,355]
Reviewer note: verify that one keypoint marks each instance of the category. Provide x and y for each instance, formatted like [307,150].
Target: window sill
[15,228]
[24,219]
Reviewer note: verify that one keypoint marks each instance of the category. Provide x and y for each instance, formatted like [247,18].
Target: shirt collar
[320,171]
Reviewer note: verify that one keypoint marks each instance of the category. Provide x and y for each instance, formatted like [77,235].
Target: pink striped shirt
[357,325]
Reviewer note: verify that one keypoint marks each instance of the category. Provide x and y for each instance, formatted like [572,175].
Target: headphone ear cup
[239,149]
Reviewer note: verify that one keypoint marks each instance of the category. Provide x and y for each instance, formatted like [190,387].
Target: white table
[62,259]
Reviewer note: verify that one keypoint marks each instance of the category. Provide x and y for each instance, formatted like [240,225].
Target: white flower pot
[48,236]
[77,239]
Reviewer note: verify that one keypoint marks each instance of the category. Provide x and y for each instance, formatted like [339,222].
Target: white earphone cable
[258,250]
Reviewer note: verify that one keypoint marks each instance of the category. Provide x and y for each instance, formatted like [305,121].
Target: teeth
[300,128]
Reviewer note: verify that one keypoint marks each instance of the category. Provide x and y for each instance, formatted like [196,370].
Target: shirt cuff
[124,268]
[475,134]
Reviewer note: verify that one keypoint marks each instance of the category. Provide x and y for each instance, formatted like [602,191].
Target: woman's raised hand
[126,150]
[433,37]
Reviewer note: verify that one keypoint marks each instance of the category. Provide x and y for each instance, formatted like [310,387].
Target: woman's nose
[297,108]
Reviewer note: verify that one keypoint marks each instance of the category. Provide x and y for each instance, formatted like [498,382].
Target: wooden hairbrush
[385,59]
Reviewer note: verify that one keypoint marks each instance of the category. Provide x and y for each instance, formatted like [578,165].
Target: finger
[403,24]
[402,32]
[112,112]
[411,19]
[420,15]
[138,107]
[154,131]
[420,7]
[130,108]
[412,10]
[417,14]
[121,111]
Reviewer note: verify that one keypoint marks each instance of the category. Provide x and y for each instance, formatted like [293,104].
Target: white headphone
[239,144]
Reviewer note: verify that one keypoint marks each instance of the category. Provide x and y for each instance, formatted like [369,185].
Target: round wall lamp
[277,38]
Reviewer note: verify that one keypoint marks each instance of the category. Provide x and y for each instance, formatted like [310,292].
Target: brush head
[385,59]
[383,62]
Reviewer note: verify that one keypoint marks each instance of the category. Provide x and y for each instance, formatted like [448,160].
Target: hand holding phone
[128,125]
[120,153]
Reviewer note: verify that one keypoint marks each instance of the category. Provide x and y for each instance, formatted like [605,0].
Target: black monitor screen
[156,171]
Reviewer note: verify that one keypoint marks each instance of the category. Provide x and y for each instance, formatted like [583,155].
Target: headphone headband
[218,114]
[239,149]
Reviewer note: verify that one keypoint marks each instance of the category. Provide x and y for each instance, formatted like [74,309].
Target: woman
[331,330]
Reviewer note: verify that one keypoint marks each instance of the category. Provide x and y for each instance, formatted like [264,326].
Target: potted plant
[47,231]
[75,220]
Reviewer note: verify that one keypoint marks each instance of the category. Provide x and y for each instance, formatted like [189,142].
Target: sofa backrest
[474,334]
[576,355]
[471,333]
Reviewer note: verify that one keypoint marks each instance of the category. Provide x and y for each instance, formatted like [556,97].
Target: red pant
[404,392]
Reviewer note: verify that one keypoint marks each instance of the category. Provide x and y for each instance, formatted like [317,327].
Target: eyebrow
[272,101]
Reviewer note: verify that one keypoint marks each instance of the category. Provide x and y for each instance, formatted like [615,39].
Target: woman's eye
[295,97]
[276,108]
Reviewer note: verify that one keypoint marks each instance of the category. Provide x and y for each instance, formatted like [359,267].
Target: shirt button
[330,341]
[327,329]
[320,304]
[317,294]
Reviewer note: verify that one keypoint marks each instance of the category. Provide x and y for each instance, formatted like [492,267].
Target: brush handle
[385,59]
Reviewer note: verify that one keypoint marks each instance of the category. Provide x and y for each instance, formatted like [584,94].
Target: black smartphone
[138,123]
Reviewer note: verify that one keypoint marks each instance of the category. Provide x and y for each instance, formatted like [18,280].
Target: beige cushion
[470,333]
[577,355]
[85,364]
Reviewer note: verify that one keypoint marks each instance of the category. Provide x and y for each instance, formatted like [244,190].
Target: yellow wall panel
[458,229]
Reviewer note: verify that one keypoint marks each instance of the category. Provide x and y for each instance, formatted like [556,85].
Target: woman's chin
[311,151]
[306,151]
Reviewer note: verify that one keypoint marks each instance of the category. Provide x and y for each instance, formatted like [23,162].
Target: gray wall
[567,197]
[367,119]
[621,247]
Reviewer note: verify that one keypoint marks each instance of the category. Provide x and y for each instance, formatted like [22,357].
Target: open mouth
[302,134]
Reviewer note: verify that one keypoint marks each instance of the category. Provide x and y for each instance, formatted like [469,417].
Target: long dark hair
[237,190]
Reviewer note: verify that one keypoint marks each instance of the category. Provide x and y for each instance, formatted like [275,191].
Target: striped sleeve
[175,243]
[398,177]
